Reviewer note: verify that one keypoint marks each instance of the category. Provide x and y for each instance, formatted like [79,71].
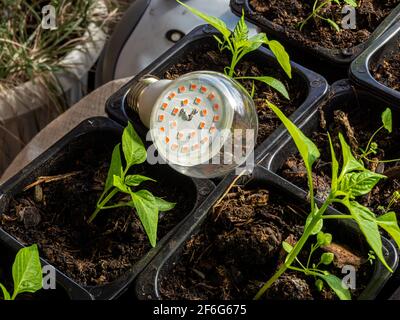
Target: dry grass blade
[48,179]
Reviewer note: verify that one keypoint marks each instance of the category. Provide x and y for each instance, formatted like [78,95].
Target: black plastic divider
[107,133]
[147,284]
[360,71]
[315,85]
[396,295]
[331,63]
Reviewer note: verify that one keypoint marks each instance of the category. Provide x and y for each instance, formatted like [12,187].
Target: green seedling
[319,6]
[352,181]
[239,43]
[372,146]
[314,270]
[394,199]
[371,257]
[26,272]
[119,181]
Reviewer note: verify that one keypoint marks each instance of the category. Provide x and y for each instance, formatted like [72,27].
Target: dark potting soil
[240,246]
[208,57]
[357,124]
[289,13]
[54,215]
[387,72]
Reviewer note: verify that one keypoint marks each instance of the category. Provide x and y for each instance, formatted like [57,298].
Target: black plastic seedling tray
[342,92]
[147,284]
[94,133]
[335,62]
[396,295]
[360,71]
[315,85]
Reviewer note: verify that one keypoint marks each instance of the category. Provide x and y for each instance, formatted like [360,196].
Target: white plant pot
[28,108]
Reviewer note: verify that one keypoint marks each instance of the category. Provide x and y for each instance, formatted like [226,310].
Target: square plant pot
[377,68]
[232,248]
[306,49]
[198,51]
[101,259]
[357,114]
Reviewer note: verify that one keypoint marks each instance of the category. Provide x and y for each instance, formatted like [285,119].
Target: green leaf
[318,227]
[319,284]
[115,167]
[282,56]
[120,185]
[387,120]
[324,239]
[241,31]
[287,247]
[136,179]
[164,205]
[359,183]
[389,223]
[218,40]
[368,224]
[251,44]
[327,258]
[27,271]
[6,295]
[253,90]
[349,162]
[335,166]
[276,84]
[147,209]
[215,22]
[352,3]
[336,285]
[272,82]
[254,42]
[132,145]
[333,24]
[308,150]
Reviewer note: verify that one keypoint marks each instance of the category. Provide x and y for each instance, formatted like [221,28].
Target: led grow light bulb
[204,124]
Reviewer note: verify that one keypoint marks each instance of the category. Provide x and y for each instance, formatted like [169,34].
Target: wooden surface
[90,106]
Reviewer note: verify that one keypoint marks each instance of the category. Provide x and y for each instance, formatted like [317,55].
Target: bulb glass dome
[204,124]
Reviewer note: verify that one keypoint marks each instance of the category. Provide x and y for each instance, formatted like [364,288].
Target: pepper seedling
[319,6]
[314,270]
[26,273]
[354,180]
[118,180]
[240,44]
[372,146]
